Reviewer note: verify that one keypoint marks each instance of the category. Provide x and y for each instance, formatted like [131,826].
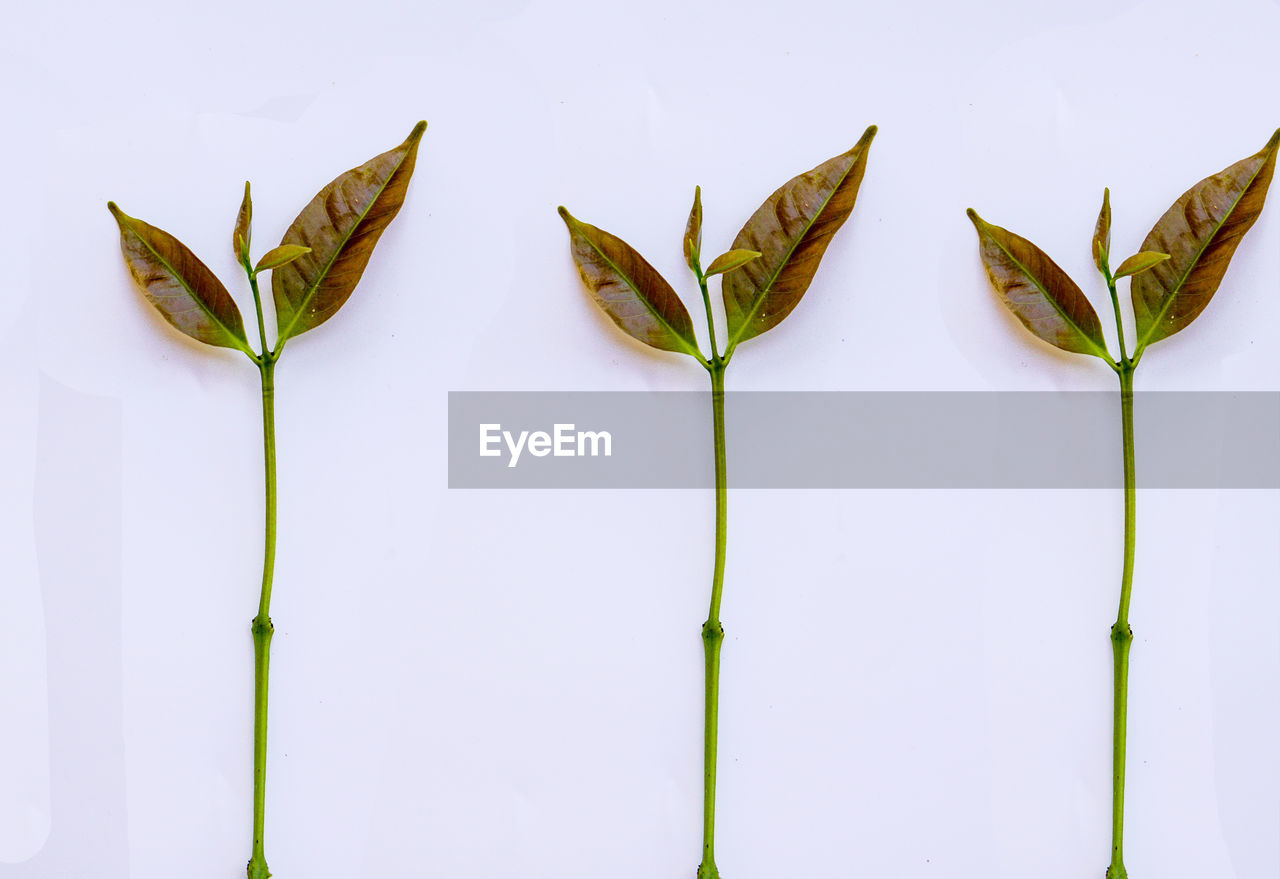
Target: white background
[496,684]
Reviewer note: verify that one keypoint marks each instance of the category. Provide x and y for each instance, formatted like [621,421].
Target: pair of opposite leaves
[313,271]
[766,272]
[1173,275]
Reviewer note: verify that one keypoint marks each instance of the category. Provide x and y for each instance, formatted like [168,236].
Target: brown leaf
[1038,292]
[179,285]
[341,225]
[244,225]
[1200,232]
[693,229]
[791,231]
[631,292]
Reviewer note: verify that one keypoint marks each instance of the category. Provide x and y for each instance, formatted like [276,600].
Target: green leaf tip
[865,141]
[418,129]
[123,220]
[978,222]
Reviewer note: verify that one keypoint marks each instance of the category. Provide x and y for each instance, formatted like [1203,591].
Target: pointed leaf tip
[864,141]
[410,145]
[411,142]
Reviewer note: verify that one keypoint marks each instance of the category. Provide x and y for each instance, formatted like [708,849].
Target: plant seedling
[1173,276]
[313,272]
[763,276]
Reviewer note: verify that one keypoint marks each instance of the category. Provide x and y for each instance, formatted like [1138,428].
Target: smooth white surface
[509,684]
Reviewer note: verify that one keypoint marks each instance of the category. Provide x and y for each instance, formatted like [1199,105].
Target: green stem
[261,627]
[713,632]
[262,326]
[711,324]
[1121,633]
[1115,307]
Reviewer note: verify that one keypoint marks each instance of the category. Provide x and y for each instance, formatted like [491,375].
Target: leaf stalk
[694,263]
